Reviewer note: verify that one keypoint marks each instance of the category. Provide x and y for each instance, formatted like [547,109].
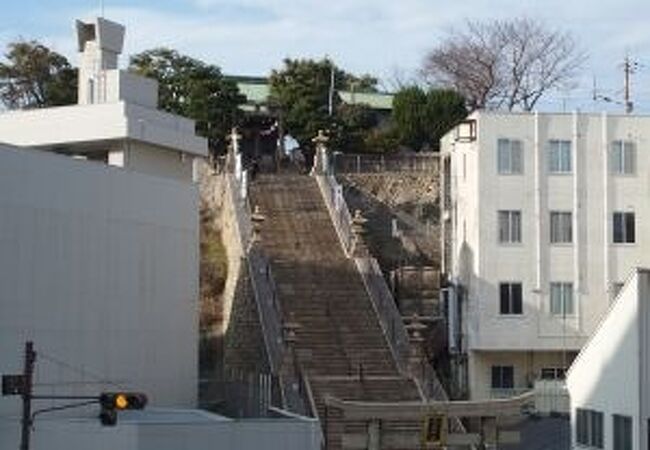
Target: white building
[609,381]
[116,120]
[99,264]
[544,216]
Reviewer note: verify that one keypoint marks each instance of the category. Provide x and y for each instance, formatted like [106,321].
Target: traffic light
[111,402]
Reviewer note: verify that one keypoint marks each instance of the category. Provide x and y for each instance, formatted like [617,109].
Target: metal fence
[384,304]
[268,305]
[368,163]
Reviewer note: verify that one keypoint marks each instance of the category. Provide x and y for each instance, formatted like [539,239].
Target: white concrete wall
[121,85]
[605,375]
[79,124]
[270,434]
[99,267]
[153,160]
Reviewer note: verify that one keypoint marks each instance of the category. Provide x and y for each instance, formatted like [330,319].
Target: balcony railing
[497,393]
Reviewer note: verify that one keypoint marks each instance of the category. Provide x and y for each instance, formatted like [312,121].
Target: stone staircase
[340,343]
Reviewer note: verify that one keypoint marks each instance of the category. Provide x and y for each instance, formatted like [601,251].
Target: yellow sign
[434,431]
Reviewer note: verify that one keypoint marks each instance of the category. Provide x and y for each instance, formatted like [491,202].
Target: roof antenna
[101,6]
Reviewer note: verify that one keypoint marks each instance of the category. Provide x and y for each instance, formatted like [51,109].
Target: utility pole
[628,69]
[330,102]
[28,374]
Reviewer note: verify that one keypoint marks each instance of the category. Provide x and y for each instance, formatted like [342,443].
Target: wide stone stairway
[340,343]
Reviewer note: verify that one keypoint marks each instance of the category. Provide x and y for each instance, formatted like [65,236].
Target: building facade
[544,215]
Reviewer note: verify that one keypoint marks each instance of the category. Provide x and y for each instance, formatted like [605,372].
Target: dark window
[622,432]
[510,298]
[553,373]
[561,227]
[624,232]
[503,377]
[589,428]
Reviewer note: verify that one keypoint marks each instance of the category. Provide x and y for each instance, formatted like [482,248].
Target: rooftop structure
[116,121]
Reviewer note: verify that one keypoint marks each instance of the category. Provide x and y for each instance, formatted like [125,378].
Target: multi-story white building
[544,217]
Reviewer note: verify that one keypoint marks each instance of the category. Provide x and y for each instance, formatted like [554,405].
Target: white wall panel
[99,266]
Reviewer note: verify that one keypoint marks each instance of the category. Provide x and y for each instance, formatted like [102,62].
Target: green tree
[420,118]
[300,92]
[33,76]
[194,89]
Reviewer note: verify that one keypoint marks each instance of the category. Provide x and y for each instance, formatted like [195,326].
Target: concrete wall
[153,160]
[605,375]
[79,124]
[194,433]
[122,85]
[99,267]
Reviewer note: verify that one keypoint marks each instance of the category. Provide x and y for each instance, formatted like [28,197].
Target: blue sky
[387,38]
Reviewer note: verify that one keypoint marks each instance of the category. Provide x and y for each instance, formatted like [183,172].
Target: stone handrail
[260,275]
[332,193]
[242,214]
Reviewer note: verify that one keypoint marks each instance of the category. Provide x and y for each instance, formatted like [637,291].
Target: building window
[623,228]
[561,227]
[509,227]
[562,299]
[510,158]
[466,131]
[623,158]
[559,153]
[622,432]
[503,377]
[589,428]
[510,298]
[553,373]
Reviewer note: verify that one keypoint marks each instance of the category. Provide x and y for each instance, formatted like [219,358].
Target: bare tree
[504,63]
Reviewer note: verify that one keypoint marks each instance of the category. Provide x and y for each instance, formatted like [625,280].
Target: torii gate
[424,425]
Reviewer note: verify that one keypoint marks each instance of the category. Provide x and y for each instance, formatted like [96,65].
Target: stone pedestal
[359,246]
[321,157]
[417,355]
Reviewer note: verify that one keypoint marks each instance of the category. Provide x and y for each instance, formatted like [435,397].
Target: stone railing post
[417,354]
[321,157]
[359,246]
[257,219]
[234,156]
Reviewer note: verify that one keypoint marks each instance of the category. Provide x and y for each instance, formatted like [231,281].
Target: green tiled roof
[258,94]
[372,99]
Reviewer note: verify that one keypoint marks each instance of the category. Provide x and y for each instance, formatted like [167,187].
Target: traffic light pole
[28,373]
[22,385]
